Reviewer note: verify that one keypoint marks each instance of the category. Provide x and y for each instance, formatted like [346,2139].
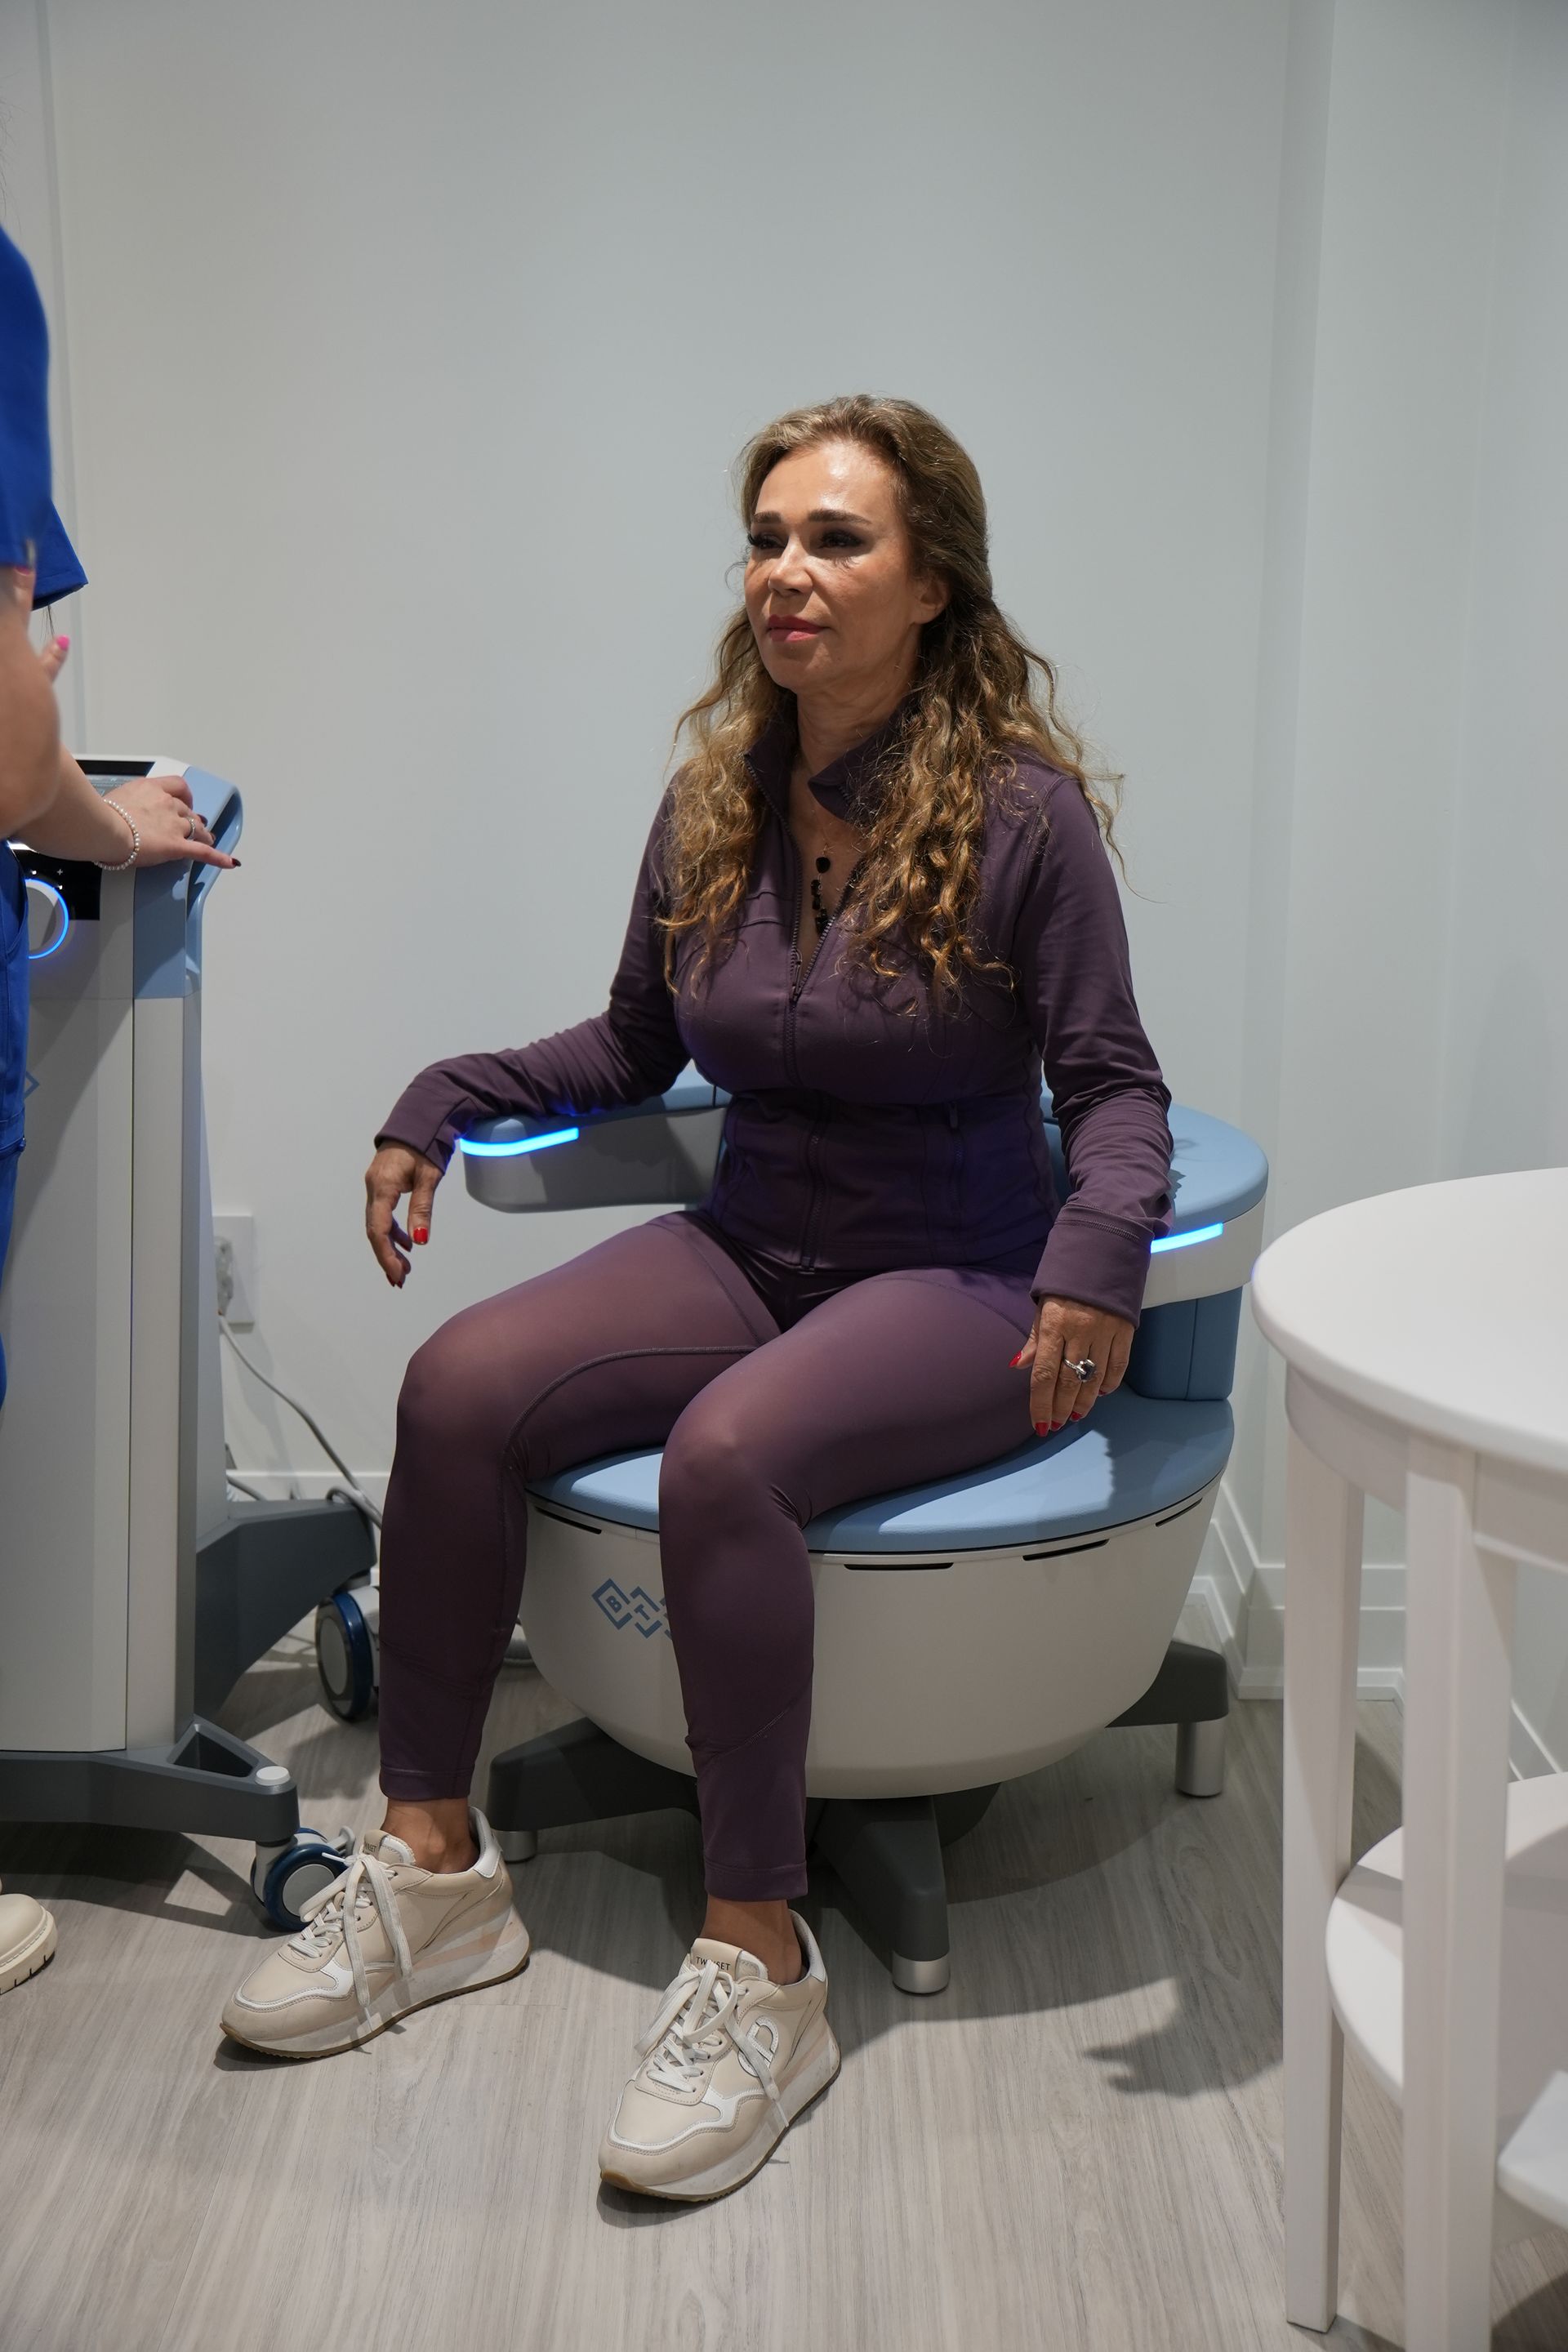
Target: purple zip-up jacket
[869,1129]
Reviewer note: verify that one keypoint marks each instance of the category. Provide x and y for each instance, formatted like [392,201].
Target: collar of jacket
[847,787]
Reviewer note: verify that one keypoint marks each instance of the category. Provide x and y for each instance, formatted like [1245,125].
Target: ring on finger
[1081,1368]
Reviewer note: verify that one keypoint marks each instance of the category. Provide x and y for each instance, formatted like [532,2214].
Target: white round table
[1426,1337]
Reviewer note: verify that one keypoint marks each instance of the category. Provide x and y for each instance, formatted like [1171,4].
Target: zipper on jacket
[814,1189]
[957,1174]
[800,973]
[797,975]
[797,968]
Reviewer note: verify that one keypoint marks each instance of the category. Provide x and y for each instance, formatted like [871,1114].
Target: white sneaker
[384,1939]
[729,2063]
[26,1939]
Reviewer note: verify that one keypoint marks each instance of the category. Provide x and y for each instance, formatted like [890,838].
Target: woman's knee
[451,1393]
[716,1469]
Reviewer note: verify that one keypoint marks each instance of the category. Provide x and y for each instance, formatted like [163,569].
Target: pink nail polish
[64,644]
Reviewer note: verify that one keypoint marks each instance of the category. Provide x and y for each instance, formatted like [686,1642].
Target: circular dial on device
[48,919]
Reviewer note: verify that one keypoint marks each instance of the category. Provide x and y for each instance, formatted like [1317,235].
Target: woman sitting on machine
[875,898]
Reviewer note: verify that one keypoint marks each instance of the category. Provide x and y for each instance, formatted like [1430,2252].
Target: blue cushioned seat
[1132,1457]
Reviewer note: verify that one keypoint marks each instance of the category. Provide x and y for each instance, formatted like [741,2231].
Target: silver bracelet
[135,840]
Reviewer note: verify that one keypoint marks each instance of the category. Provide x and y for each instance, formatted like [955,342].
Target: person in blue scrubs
[44,795]
[36,560]
[46,798]
[38,565]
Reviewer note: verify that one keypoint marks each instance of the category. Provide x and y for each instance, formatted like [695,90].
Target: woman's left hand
[171,827]
[1065,1332]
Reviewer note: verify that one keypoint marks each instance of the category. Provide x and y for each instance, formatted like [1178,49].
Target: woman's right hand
[396,1170]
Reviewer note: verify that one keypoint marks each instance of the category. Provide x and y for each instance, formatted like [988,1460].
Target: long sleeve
[622,1055]
[1070,955]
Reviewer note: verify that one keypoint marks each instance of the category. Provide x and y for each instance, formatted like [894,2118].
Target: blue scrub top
[31,540]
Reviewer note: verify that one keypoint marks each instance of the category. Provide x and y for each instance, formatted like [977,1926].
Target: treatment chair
[967,1631]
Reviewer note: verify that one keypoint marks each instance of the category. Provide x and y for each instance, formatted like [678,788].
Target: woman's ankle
[763,1930]
[439,1834]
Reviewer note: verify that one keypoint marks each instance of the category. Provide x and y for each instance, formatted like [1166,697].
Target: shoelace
[691,2032]
[364,1889]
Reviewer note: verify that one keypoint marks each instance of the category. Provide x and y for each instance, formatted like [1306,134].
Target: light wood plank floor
[1076,2146]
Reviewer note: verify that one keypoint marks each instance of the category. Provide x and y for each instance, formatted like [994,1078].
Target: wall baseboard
[1243,1596]
[1528,1755]
[310,1485]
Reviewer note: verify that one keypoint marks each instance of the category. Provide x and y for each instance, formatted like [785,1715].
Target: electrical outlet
[234,1244]
[224,1252]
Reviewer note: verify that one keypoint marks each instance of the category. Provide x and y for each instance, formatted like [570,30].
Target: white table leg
[1458,1621]
[1322,1614]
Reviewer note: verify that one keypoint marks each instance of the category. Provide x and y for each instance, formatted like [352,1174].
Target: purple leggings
[775,1394]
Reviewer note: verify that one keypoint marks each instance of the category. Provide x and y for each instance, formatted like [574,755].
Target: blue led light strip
[523,1144]
[1185,1241]
[43,954]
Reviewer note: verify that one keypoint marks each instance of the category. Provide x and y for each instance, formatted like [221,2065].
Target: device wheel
[307,1864]
[345,1657]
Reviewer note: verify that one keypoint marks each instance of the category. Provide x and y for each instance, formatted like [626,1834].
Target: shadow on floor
[1538,2323]
[1084,1880]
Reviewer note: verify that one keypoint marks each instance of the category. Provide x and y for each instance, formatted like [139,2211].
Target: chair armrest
[661,1152]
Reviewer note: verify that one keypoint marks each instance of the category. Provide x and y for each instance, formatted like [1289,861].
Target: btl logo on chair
[642,1609]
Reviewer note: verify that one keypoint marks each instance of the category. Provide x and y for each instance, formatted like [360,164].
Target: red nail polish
[1013,1360]
[1042,1428]
[421,1233]
[1075,1416]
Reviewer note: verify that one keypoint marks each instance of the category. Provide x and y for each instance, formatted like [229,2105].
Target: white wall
[1408,1008]
[1504,1073]
[410,347]
[407,349]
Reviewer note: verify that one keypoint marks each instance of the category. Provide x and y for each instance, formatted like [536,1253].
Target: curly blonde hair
[979,690]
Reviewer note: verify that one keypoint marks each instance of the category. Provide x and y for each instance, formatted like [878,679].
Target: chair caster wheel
[517,1845]
[284,1877]
[346,1630]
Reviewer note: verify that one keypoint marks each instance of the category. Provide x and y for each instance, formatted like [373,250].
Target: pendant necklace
[822,914]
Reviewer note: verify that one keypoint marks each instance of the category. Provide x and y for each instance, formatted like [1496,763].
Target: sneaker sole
[32,1957]
[706,2188]
[304,2046]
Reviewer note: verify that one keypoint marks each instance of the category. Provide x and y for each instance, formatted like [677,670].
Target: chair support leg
[1200,1757]
[888,1852]
[576,1774]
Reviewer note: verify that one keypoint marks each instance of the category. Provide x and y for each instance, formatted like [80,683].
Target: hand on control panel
[171,827]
